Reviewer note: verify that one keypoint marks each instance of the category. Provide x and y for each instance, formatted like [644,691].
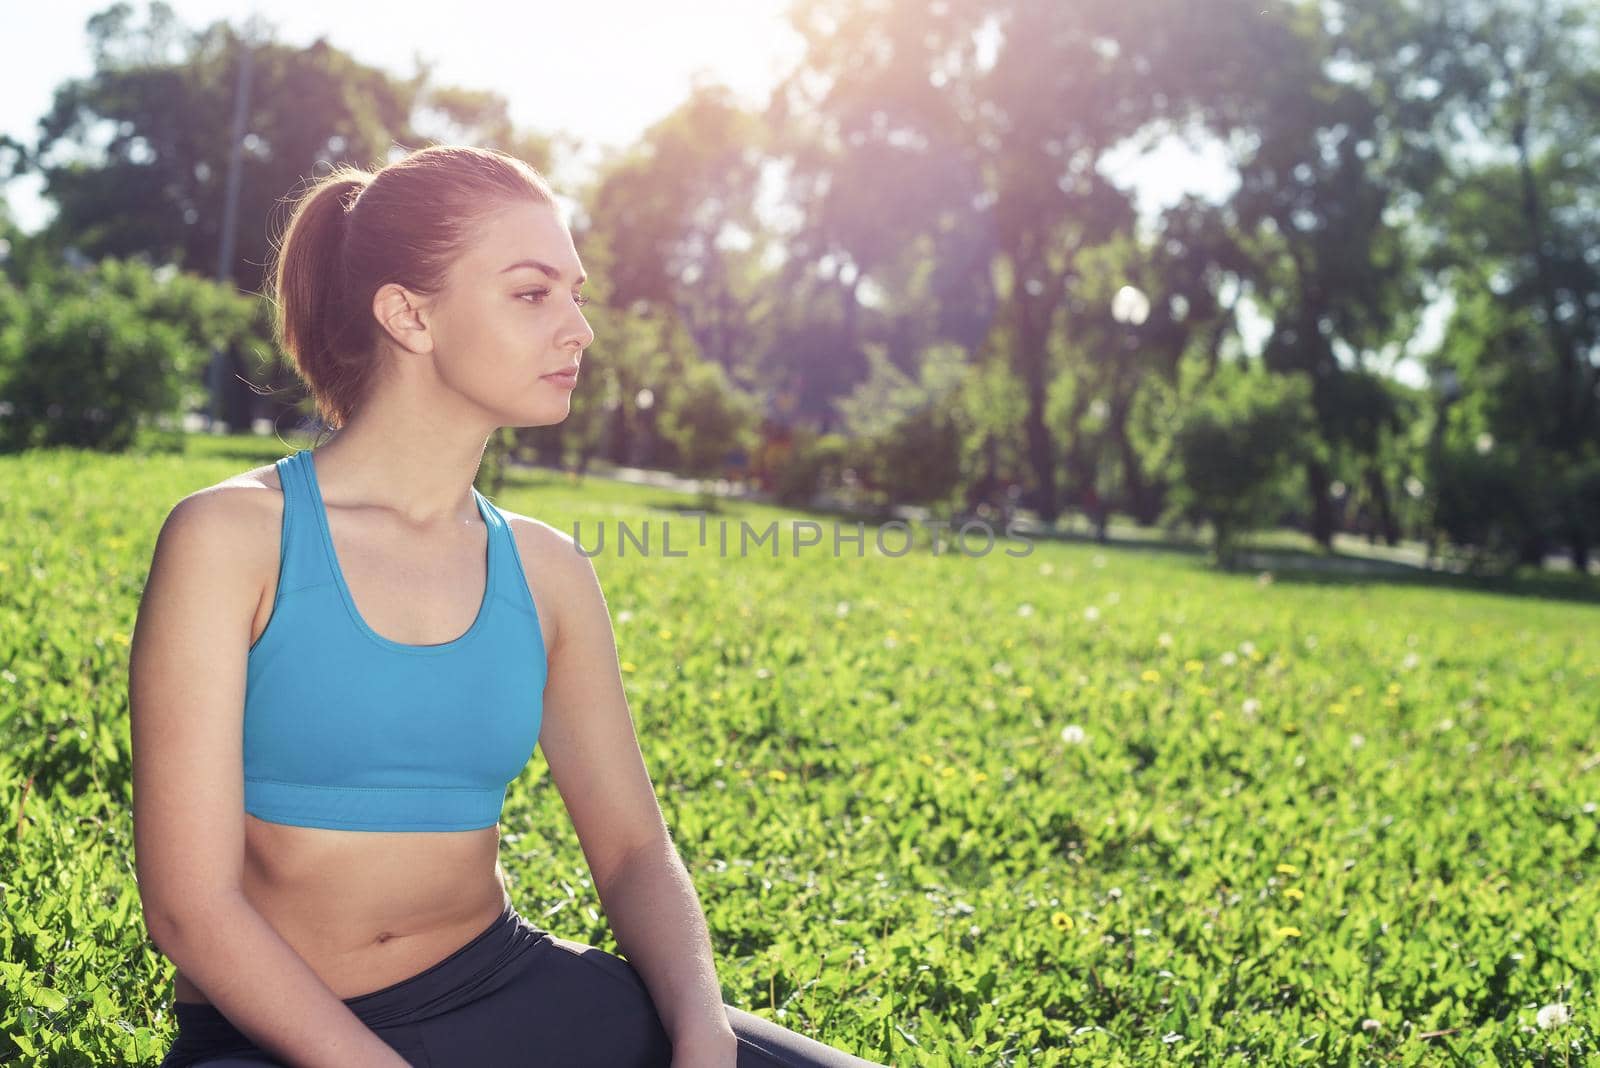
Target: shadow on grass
[1316,569]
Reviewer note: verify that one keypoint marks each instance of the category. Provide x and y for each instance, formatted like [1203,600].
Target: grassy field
[1083,806]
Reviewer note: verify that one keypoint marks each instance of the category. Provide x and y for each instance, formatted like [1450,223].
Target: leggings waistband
[475,970]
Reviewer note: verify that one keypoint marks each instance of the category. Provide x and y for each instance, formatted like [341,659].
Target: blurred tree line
[909,278]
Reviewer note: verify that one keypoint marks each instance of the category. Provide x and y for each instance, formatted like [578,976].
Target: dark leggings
[513,996]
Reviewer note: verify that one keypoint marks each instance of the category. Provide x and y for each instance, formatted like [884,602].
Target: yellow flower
[1023,691]
[1257,655]
[1287,932]
[1336,708]
[947,771]
[777,775]
[716,695]
[663,634]
[926,759]
[1061,921]
[1192,666]
[1150,675]
[1216,715]
[627,666]
[1394,688]
[1357,690]
[1288,869]
[979,776]
[1294,892]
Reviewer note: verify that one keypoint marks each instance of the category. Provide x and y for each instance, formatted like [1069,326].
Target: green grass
[1297,806]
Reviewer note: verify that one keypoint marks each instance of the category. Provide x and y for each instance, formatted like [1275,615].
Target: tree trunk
[1579,547]
[1380,500]
[1317,482]
[1032,357]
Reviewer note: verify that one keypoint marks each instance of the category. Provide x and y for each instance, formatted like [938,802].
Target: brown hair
[354,231]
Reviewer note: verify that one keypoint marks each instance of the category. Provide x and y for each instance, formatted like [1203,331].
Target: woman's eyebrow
[546,268]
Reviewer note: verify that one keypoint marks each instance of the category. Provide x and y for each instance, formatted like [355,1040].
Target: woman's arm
[589,742]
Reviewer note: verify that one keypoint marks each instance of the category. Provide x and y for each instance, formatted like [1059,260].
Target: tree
[1238,437]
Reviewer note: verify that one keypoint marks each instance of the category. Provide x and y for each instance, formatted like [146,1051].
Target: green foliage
[1237,440]
[87,358]
[704,417]
[908,434]
[1213,817]
[811,462]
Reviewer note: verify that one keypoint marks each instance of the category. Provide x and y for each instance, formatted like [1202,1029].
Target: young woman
[386,648]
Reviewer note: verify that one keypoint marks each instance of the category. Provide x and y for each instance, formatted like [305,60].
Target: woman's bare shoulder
[244,512]
[263,477]
[557,571]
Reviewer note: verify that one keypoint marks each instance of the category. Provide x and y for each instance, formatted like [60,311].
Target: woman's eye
[540,294]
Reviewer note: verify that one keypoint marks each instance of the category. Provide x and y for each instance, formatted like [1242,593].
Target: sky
[557,66]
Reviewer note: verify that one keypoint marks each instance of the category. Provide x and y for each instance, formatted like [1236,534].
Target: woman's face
[510,315]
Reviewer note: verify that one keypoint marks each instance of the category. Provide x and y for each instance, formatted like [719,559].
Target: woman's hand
[706,1049]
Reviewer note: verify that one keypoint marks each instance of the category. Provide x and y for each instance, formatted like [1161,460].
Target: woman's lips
[567,379]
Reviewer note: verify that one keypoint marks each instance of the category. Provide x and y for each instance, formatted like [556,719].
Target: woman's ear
[401,314]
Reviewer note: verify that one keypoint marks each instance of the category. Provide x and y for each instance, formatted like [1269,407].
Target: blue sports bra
[344,728]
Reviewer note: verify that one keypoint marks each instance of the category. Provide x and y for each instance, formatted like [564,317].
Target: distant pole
[241,111]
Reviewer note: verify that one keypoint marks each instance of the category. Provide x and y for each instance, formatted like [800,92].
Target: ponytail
[313,323]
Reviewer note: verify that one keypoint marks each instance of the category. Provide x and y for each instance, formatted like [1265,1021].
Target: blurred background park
[1308,289]
[1204,267]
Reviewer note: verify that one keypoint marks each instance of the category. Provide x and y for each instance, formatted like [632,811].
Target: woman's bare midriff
[368,909]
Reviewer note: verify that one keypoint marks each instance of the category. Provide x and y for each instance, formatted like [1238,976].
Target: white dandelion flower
[1554,1015]
[1091,613]
[1073,734]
